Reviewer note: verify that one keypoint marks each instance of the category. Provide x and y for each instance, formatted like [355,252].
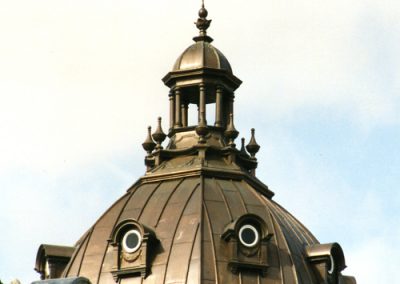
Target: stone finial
[202,129]
[243,149]
[231,133]
[253,147]
[148,144]
[159,135]
[203,24]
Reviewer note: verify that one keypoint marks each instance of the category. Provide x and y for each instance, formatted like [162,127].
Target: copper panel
[219,215]
[156,276]
[225,275]
[106,278]
[210,192]
[249,277]
[285,260]
[168,221]
[73,267]
[179,263]
[194,272]
[139,197]
[221,249]
[208,282]
[208,264]
[188,226]
[130,214]
[196,251]
[131,280]
[264,213]
[171,216]
[108,261]
[184,190]
[98,240]
[195,202]
[161,257]
[156,203]
[249,195]
[90,267]
[273,276]
[233,199]
[210,57]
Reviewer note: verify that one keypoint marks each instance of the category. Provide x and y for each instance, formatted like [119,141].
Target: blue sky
[81,80]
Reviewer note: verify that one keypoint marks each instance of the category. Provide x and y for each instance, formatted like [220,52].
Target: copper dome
[202,54]
[189,216]
[200,215]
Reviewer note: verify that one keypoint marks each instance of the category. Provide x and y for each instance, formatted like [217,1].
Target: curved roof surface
[202,55]
[188,216]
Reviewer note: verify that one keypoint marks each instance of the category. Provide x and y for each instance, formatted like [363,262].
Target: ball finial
[203,13]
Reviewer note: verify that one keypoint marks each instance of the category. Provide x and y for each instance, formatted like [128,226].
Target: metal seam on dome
[173,236]
[299,225]
[74,256]
[286,245]
[241,196]
[215,266]
[168,199]
[274,225]
[191,251]
[224,198]
[147,200]
[218,57]
[84,251]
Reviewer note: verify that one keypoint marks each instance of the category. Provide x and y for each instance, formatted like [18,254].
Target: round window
[131,241]
[249,236]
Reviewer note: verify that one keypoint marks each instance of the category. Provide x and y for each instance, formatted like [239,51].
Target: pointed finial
[159,135]
[243,149]
[203,24]
[231,133]
[202,129]
[253,147]
[148,144]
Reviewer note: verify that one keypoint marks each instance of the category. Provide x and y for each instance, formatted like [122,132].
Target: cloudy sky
[80,82]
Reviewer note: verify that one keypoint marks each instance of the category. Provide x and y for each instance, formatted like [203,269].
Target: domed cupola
[202,54]
[199,214]
[201,77]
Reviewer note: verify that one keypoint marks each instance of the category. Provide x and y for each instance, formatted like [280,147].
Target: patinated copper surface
[189,216]
[198,191]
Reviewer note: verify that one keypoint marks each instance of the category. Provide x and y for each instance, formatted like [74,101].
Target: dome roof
[189,215]
[199,214]
[202,54]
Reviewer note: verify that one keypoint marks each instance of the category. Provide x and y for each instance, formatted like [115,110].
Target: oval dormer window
[131,241]
[249,236]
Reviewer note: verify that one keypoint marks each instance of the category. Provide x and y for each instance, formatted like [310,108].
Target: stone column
[202,103]
[171,109]
[218,107]
[178,117]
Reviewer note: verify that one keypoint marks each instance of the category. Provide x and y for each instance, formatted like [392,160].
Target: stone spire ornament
[243,151]
[203,24]
[148,144]
[231,133]
[253,147]
[159,135]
